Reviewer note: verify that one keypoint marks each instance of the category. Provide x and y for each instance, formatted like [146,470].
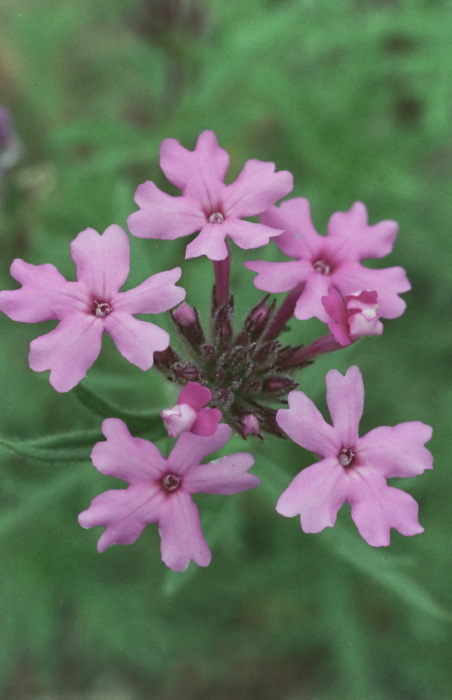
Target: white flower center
[321,267]
[346,456]
[171,482]
[216,217]
[102,309]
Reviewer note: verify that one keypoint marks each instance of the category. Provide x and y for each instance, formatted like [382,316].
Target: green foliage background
[354,97]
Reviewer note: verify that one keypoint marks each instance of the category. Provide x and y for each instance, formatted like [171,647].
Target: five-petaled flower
[189,413]
[352,469]
[208,205]
[330,261]
[90,306]
[160,490]
[352,316]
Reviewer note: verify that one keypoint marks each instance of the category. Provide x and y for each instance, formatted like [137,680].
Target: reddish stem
[222,270]
[284,313]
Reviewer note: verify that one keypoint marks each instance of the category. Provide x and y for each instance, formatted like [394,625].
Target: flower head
[207,205]
[352,316]
[189,415]
[160,490]
[352,469]
[90,306]
[330,261]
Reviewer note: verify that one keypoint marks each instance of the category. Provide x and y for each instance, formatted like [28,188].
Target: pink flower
[160,490]
[208,205]
[352,316]
[189,415]
[351,468]
[330,261]
[90,306]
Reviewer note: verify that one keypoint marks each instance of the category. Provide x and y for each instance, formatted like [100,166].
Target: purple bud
[250,425]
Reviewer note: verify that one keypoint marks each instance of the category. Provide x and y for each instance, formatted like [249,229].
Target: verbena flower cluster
[232,379]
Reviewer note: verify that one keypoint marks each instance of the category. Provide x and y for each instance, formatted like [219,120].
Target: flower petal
[300,239]
[247,234]
[257,188]
[309,304]
[156,294]
[126,457]
[68,351]
[191,449]
[206,422]
[227,475]
[180,530]
[210,242]
[195,395]
[44,295]
[102,261]
[279,277]
[305,425]
[362,240]
[136,340]
[345,399]
[316,494]
[398,450]
[388,283]
[163,216]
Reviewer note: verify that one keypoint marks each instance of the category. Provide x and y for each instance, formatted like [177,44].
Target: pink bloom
[352,316]
[330,261]
[90,306]
[208,205]
[351,468]
[189,415]
[160,490]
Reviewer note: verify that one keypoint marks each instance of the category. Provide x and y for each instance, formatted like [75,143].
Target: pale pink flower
[352,469]
[189,415]
[160,490]
[208,205]
[90,306]
[352,316]
[333,260]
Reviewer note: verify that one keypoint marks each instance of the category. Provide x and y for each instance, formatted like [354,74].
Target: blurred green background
[354,97]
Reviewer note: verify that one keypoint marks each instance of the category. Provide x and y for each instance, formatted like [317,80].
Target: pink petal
[334,305]
[227,475]
[279,277]
[191,449]
[124,513]
[362,240]
[136,340]
[180,530]
[383,509]
[68,351]
[156,294]
[126,457]
[210,242]
[164,216]
[300,239]
[45,294]
[195,395]
[316,494]
[388,283]
[178,419]
[206,422]
[247,234]
[257,187]
[309,304]
[305,425]
[398,451]
[199,173]
[345,399]
[102,261]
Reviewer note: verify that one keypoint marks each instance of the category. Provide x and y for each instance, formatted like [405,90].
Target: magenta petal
[226,476]
[191,449]
[156,294]
[345,399]
[136,340]
[247,234]
[362,240]
[195,395]
[102,261]
[126,457]
[383,509]
[44,295]
[316,494]
[279,277]
[257,188]
[398,450]
[300,239]
[210,242]
[334,305]
[164,216]
[180,530]
[206,422]
[68,351]
[305,425]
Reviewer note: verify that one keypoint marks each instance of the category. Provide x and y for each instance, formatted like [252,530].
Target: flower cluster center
[170,482]
[102,309]
[346,456]
[216,217]
[321,267]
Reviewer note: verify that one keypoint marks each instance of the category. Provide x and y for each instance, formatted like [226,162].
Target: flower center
[346,457]
[321,267]
[170,482]
[101,309]
[216,217]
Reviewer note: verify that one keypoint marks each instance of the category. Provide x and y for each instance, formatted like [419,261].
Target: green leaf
[64,447]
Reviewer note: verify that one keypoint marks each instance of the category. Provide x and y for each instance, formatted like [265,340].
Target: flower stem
[222,270]
[284,312]
[327,343]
